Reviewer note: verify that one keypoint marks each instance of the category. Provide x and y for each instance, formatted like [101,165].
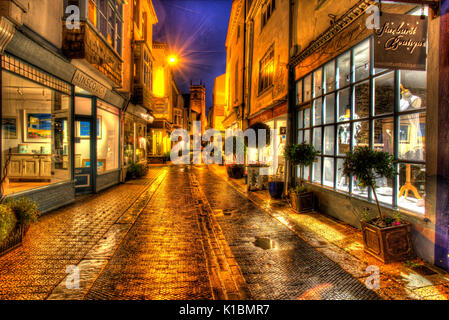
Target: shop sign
[400,42]
[85,82]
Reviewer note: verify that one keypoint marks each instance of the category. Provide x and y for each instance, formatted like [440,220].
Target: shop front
[35,136]
[97,143]
[276,119]
[343,101]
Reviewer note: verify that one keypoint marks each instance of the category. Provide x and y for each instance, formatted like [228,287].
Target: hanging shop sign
[85,82]
[401,42]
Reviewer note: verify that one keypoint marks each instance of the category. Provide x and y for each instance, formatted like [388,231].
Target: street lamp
[172,60]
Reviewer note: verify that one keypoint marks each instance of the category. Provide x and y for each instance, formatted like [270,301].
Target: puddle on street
[265,243]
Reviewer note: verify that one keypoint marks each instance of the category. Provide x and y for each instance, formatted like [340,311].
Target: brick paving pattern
[62,238]
[276,263]
[162,256]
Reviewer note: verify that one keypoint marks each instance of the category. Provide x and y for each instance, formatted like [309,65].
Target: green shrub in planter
[136,170]
[8,221]
[25,209]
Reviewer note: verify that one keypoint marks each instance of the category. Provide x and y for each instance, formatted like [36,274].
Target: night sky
[196,31]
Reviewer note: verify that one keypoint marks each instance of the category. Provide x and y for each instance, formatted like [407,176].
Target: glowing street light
[172,60]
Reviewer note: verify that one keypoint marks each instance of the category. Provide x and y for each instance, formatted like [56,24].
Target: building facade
[341,101]
[217,110]
[267,56]
[235,61]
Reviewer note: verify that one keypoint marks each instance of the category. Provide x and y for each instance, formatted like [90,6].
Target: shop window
[299,92]
[329,76]
[328,179]
[128,146]
[317,111]
[317,83]
[342,180]
[329,143]
[361,100]
[412,128]
[35,135]
[308,88]
[316,177]
[317,139]
[330,108]
[361,61]
[141,143]
[411,188]
[107,138]
[384,94]
[367,115]
[344,70]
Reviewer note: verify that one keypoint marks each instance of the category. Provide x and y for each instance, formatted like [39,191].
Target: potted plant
[255,180]
[303,155]
[386,238]
[25,210]
[234,170]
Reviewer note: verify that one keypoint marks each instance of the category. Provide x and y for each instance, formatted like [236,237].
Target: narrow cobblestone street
[180,233]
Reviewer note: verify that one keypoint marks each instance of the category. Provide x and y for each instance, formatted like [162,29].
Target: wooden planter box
[302,202]
[388,244]
[13,240]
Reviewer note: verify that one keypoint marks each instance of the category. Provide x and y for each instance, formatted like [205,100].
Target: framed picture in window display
[37,127]
[9,127]
[83,129]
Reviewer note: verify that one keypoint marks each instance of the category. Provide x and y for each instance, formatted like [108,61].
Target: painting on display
[37,127]
[9,127]
[83,129]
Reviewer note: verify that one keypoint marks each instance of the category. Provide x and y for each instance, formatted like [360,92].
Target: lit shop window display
[107,137]
[346,104]
[35,135]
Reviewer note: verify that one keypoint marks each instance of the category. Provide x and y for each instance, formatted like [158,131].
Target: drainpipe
[244,64]
[288,172]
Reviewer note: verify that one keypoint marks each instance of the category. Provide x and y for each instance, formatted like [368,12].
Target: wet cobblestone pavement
[63,238]
[181,233]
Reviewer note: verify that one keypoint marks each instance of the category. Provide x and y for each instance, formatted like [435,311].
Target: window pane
[306,118]
[306,173]
[384,93]
[306,136]
[317,171]
[308,88]
[412,129]
[412,191]
[413,90]
[317,111]
[342,180]
[361,61]
[361,100]
[317,83]
[328,172]
[330,108]
[361,134]
[329,140]
[329,74]
[358,190]
[383,135]
[299,92]
[300,136]
[344,105]
[344,138]
[343,70]
[317,138]
[384,190]
[300,119]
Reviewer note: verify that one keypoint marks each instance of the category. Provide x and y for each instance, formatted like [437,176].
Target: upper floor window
[147,69]
[267,11]
[266,70]
[106,17]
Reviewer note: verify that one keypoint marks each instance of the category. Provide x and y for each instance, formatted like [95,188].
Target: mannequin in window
[412,147]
